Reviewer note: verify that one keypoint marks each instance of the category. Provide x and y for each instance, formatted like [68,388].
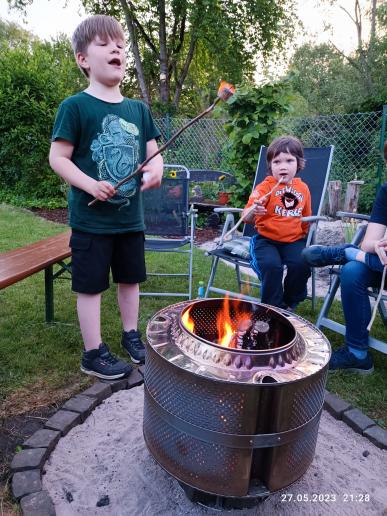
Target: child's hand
[103,190]
[255,210]
[152,176]
[381,250]
[259,209]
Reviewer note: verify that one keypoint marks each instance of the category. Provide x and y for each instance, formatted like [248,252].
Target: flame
[225,90]
[226,327]
[224,324]
[187,321]
[228,334]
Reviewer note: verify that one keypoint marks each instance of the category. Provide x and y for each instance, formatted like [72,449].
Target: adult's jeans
[268,258]
[355,278]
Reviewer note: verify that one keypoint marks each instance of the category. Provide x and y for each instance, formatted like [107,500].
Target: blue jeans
[373,262]
[355,279]
[268,258]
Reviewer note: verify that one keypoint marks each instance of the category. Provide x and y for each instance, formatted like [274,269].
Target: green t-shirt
[109,142]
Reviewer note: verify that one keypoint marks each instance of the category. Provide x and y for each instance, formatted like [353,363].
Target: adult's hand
[381,250]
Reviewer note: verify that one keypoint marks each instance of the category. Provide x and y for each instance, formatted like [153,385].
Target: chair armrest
[313,218]
[227,210]
[192,209]
[228,224]
[358,216]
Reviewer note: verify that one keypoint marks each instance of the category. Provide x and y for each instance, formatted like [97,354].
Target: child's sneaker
[103,364]
[132,343]
[343,359]
[321,255]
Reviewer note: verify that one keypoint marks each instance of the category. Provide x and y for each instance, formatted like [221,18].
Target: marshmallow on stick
[250,210]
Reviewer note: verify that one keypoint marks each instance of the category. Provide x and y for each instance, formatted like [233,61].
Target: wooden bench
[24,261]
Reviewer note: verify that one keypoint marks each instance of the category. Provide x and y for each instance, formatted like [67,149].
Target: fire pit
[233,397]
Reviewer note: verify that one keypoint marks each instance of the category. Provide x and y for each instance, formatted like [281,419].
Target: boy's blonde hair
[288,144]
[105,27]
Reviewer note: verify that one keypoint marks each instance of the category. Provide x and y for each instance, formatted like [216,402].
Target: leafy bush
[35,77]
[252,115]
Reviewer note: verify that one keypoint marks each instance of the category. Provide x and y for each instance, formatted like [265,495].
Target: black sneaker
[103,364]
[132,343]
[343,359]
[321,255]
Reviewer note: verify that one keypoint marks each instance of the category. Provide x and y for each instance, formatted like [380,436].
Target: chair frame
[173,245]
[323,320]
[239,262]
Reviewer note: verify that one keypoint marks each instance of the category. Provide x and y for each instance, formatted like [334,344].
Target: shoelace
[109,357]
[136,343]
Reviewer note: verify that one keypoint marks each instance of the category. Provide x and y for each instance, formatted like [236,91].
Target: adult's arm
[375,241]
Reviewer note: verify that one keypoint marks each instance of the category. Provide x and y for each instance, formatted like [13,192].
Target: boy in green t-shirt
[99,137]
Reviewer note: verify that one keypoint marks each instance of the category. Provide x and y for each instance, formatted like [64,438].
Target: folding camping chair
[323,319]
[170,224]
[315,175]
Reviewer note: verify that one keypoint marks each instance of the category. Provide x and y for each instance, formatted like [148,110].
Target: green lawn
[36,358]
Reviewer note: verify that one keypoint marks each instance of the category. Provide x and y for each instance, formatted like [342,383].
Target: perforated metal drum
[241,421]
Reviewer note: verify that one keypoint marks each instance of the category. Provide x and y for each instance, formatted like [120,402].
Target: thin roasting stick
[249,211]
[377,299]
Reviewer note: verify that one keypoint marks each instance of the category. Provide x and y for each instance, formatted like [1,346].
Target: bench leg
[49,293]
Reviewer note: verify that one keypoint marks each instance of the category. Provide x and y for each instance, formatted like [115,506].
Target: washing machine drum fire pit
[233,396]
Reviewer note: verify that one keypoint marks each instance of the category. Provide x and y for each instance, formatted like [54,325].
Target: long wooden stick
[162,148]
[250,210]
[378,299]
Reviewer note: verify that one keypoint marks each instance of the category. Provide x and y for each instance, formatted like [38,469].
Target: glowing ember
[225,90]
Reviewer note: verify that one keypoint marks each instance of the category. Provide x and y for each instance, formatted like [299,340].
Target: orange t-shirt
[285,207]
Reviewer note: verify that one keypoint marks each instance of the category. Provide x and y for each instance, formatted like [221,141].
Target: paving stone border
[27,465]
[354,418]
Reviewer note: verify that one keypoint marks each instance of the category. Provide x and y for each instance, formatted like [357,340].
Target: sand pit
[106,457]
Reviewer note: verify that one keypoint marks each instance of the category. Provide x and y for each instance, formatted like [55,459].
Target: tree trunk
[164,72]
[364,54]
[184,72]
[352,196]
[135,51]
[373,22]
[334,197]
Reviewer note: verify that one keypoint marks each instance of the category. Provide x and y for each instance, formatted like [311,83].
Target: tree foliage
[252,114]
[323,79]
[175,42]
[333,82]
[34,78]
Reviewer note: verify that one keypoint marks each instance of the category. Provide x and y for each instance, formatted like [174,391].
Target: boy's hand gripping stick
[225,91]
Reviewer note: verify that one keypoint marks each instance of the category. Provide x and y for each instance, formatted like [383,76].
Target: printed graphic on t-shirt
[289,200]
[116,152]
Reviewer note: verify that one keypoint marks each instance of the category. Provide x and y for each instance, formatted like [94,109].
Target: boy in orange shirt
[281,234]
